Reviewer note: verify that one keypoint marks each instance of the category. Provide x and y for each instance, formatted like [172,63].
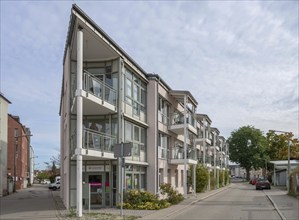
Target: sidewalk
[160,214]
[287,206]
[163,213]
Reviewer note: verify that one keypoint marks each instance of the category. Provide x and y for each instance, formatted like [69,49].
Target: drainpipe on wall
[79,119]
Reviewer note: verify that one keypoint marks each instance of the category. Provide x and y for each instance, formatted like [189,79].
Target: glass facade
[163,145]
[135,95]
[136,135]
[163,111]
[135,177]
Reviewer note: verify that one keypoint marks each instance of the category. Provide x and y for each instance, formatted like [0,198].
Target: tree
[247,148]
[277,146]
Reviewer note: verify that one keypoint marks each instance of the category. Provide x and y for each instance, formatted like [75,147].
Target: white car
[45,181]
[54,186]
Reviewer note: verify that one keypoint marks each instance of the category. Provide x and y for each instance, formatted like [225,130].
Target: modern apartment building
[4,103]
[108,99]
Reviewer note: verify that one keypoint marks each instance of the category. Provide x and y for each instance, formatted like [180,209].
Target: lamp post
[289,166]
[15,156]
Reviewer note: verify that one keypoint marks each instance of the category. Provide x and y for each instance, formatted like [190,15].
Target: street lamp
[15,156]
[289,167]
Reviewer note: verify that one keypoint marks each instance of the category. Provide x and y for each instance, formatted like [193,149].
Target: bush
[221,173]
[201,178]
[226,177]
[173,197]
[212,181]
[136,199]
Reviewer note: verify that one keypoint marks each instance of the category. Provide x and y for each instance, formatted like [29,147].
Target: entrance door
[96,190]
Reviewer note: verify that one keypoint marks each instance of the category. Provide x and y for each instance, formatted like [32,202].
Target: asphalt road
[241,201]
[32,203]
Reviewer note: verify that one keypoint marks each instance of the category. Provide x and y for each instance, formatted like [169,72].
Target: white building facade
[108,99]
[4,102]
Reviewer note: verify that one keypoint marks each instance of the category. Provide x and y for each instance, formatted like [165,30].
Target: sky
[239,59]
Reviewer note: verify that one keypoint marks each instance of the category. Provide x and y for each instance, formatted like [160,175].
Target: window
[135,93]
[182,178]
[160,176]
[163,145]
[135,177]
[163,111]
[136,135]
[169,176]
[176,178]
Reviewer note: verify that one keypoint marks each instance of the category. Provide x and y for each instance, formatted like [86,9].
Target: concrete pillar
[79,119]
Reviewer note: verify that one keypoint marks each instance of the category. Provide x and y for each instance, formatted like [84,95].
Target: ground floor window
[135,177]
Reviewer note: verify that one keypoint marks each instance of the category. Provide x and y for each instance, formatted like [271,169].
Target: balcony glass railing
[94,140]
[178,153]
[98,88]
[178,118]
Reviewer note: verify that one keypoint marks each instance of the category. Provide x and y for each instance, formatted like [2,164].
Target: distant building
[17,154]
[4,102]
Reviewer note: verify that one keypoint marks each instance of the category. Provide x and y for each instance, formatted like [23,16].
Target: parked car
[55,185]
[45,181]
[253,181]
[262,184]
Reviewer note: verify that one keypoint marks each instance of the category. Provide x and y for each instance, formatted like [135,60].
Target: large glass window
[163,111]
[136,135]
[163,143]
[135,177]
[135,93]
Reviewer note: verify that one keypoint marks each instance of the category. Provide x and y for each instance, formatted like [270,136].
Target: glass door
[96,190]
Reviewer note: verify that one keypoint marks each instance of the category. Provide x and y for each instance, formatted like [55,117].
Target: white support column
[204,144]
[185,147]
[214,145]
[79,119]
[194,178]
[274,175]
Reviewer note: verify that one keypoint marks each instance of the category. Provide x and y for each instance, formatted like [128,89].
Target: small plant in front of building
[173,197]
[212,181]
[136,199]
[201,178]
[72,212]
[143,200]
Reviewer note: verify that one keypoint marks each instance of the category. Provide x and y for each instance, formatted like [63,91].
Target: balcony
[98,97]
[217,148]
[177,123]
[95,145]
[201,140]
[177,156]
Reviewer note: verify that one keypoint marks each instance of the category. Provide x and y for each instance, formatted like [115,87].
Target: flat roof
[284,162]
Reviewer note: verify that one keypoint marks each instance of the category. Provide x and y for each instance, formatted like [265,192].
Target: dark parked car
[262,184]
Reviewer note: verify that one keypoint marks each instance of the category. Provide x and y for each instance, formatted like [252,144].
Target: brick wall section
[21,152]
